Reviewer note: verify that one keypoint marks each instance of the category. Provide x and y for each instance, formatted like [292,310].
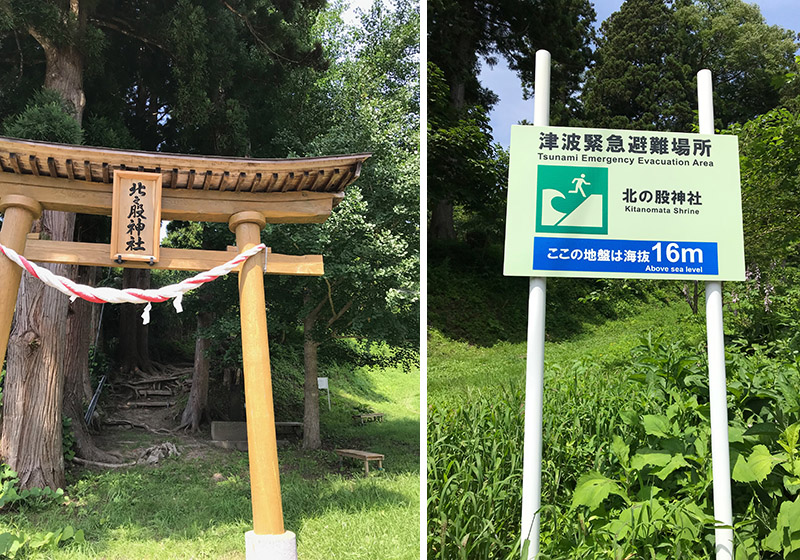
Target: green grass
[177,510]
[457,369]
[609,390]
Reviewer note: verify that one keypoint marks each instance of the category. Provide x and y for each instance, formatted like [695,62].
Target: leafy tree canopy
[649,52]
[462,33]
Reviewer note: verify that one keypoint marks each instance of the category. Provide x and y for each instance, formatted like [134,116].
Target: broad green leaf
[790,437]
[747,549]
[593,488]
[764,428]
[791,483]
[675,463]
[6,541]
[646,493]
[701,445]
[656,425]
[621,450]
[742,471]
[618,528]
[40,539]
[651,457]
[756,468]
[687,524]
[735,434]
[785,537]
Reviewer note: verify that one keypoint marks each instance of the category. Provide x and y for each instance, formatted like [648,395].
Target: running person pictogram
[579,182]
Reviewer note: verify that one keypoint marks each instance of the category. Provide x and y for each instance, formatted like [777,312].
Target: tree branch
[118,29]
[342,311]
[255,35]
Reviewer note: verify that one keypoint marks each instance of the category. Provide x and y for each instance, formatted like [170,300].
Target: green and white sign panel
[602,203]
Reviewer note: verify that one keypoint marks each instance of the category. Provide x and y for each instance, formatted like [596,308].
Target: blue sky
[512,108]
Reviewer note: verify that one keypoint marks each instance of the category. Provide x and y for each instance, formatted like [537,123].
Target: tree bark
[197,408]
[34,386]
[441,225]
[77,390]
[311,436]
[64,64]
[133,335]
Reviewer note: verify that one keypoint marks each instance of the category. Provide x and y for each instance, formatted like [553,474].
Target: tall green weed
[627,462]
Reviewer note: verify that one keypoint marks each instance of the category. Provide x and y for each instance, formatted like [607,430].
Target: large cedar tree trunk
[133,348]
[197,407]
[77,389]
[31,440]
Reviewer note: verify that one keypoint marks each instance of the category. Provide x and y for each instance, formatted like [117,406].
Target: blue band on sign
[625,255]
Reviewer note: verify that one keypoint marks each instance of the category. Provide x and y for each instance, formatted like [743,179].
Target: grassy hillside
[457,369]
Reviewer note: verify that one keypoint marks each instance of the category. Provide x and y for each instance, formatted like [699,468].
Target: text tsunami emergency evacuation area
[623,204]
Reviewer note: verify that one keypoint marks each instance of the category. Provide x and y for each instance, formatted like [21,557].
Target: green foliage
[649,84]
[46,117]
[748,58]
[14,543]
[464,166]
[461,152]
[108,132]
[627,461]
[474,477]
[10,494]
[367,102]
[640,79]
[763,310]
[769,162]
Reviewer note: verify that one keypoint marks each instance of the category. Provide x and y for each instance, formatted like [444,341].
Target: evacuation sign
[601,203]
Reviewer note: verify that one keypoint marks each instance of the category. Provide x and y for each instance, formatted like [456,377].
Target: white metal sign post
[717,391]
[534,362]
[598,203]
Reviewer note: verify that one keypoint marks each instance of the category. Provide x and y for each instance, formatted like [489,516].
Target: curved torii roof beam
[198,188]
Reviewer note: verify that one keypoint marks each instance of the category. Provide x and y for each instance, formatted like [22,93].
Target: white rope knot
[131,295]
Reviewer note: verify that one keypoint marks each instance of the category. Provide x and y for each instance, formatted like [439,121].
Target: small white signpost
[598,203]
[322,383]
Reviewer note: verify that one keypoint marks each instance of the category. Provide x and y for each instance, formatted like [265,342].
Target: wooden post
[20,212]
[262,446]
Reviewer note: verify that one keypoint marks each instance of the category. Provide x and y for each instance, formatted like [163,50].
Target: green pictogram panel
[573,199]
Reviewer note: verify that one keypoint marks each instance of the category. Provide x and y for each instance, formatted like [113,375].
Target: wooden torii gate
[245,193]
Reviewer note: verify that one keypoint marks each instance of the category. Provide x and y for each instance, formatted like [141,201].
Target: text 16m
[675,253]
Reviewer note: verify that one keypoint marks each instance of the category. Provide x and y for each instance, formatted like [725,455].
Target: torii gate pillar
[20,212]
[268,536]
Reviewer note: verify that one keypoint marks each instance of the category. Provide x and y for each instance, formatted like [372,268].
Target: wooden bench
[366,456]
[364,418]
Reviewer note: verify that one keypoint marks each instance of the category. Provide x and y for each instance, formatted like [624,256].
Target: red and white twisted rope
[129,295]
